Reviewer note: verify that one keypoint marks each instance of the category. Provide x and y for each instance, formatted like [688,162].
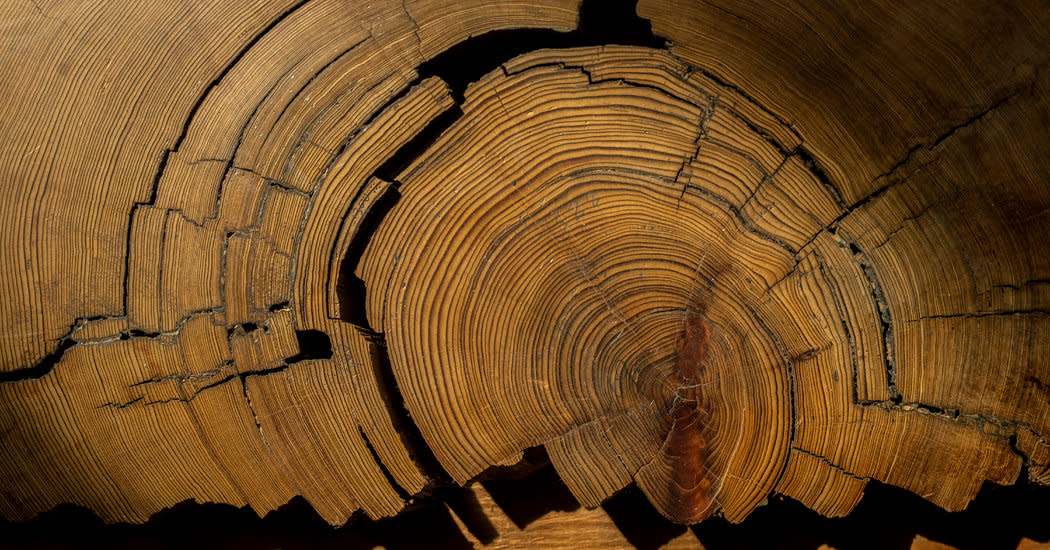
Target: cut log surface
[254,251]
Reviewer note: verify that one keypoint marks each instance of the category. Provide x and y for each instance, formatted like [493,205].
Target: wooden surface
[339,250]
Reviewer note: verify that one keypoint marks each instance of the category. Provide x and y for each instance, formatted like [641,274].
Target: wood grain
[259,251]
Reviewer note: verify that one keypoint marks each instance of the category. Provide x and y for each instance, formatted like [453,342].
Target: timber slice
[551,275]
[721,270]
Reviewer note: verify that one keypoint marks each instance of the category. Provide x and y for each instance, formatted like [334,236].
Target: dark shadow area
[411,437]
[601,22]
[42,367]
[351,289]
[886,518]
[205,526]
[890,517]
[313,344]
[639,522]
[465,504]
[392,167]
[528,499]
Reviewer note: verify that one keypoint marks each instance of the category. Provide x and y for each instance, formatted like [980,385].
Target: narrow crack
[937,141]
[890,177]
[41,368]
[46,365]
[401,492]
[980,314]
[411,437]
[831,464]
[885,316]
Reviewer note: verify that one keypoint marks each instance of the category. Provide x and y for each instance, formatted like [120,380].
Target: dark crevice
[766,177]
[840,309]
[601,22]
[744,220]
[122,405]
[833,225]
[740,91]
[263,372]
[85,320]
[893,169]
[313,344]
[1024,284]
[818,172]
[199,390]
[247,327]
[42,367]
[885,320]
[185,379]
[953,413]
[907,158]
[527,499]
[244,327]
[1038,383]
[532,459]
[392,168]
[411,437]
[757,130]
[1024,475]
[828,463]
[979,314]
[349,286]
[925,210]
[242,376]
[401,492]
[351,289]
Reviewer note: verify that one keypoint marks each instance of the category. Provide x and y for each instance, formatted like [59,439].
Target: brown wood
[253,252]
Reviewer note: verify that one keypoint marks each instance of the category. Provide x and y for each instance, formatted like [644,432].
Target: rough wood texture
[254,251]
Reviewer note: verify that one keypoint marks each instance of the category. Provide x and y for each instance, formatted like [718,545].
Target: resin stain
[685,449]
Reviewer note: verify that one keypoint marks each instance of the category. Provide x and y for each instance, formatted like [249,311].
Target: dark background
[887,517]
